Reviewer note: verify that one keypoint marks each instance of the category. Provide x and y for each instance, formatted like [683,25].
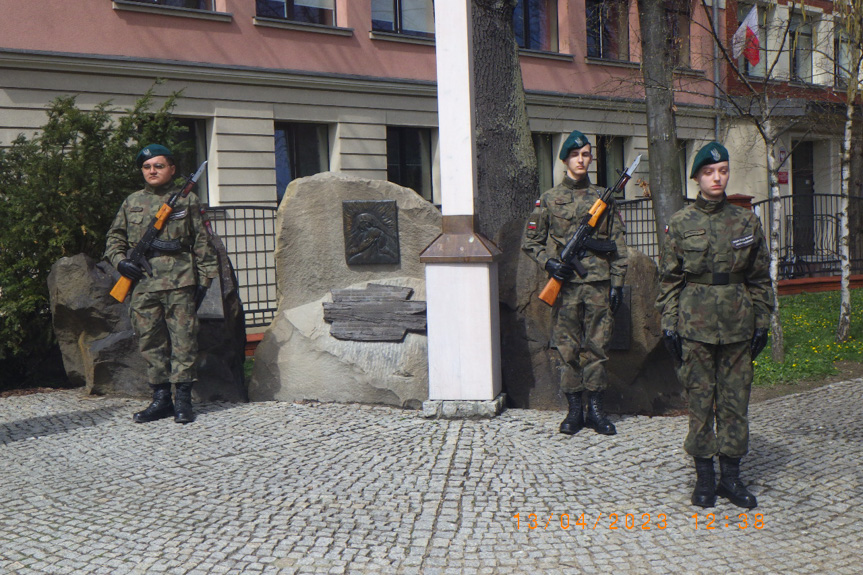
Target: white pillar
[461,272]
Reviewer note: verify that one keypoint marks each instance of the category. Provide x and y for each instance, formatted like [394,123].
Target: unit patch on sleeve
[742,242]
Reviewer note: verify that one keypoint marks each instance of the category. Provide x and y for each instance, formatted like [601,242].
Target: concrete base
[464,409]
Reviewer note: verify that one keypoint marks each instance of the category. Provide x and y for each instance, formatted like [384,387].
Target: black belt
[154,253]
[716,278]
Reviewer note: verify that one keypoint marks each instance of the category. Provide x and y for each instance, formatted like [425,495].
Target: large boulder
[641,378]
[298,358]
[100,349]
[310,242]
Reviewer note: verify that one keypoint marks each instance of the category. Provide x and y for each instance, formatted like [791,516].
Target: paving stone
[278,488]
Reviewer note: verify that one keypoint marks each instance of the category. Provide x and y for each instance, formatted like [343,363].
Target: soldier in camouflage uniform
[163,306]
[716,300]
[583,314]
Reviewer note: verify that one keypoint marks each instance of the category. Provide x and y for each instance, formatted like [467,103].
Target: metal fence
[640,225]
[249,235]
[809,233]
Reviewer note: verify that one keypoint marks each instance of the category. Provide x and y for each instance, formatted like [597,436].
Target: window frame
[289,17]
[760,70]
[604,169]
[679,44]
[398,21]
[799,20]
[841,74]
[523,7]
[603,8]
[293,147]
[544,149]
[426,175]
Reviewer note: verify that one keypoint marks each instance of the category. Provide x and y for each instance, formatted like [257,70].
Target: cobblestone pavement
[323,488]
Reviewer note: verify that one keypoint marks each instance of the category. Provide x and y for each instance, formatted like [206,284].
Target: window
[608,29]
[535,23]
[681,164]
[409,159]
[760,70]
[193,4]
[409,17]
[677,15]
[191,151]
[301,150]
[800,39]
[609,161]
[306,11]
[842,63]
[542,146]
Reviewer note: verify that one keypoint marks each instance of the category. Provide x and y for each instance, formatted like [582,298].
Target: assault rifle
[139,254]
[581,239]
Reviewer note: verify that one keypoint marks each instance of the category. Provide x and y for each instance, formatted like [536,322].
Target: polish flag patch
[537,203]
[666,228]
[531,225]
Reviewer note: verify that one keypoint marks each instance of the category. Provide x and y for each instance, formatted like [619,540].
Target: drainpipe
[716,71]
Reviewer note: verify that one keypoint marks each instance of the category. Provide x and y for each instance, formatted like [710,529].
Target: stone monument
[323,223]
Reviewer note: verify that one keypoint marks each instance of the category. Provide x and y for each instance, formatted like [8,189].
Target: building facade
[278,89]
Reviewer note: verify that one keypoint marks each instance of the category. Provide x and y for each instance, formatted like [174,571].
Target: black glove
[759,340]
[130,269]
[559,270]
[200,294]
[615,298]
[673,344]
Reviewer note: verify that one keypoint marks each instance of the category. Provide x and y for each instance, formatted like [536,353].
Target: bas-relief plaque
[371,232]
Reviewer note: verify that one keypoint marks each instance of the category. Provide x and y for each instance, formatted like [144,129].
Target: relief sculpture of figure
[716,299]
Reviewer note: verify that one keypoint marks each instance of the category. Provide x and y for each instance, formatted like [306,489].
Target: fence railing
[249,235]
[809,233]
[809,236]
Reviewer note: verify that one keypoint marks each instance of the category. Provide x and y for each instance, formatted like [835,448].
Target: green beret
[152,151]
[712,153]
[575,141]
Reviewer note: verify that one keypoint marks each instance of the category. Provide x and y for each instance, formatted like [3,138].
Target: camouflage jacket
[715,273]
[555,218]
[196,261]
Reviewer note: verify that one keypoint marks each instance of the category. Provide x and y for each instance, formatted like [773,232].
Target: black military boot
[183,412]
[160,408]
[596,418]
[575,419]
[730,486]
[704,494]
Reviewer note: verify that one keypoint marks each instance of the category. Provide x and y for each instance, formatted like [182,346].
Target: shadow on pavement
[54,423]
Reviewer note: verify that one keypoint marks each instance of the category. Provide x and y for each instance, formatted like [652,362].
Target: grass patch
[247,368]
[809,325]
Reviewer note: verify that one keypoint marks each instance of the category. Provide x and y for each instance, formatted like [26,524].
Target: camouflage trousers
[167,329]
[581,330]
[718,381]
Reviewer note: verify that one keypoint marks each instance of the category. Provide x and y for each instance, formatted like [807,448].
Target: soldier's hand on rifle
[200,294]
[673,344]
[759,340]
[130,269]
[615,298]
[559,270]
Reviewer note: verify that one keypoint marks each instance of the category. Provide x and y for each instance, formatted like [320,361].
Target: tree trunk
[778,339]
[507,179]
[855,192]
[843,329]
[665,178]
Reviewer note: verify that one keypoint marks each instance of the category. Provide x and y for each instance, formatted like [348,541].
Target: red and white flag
[745,40]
